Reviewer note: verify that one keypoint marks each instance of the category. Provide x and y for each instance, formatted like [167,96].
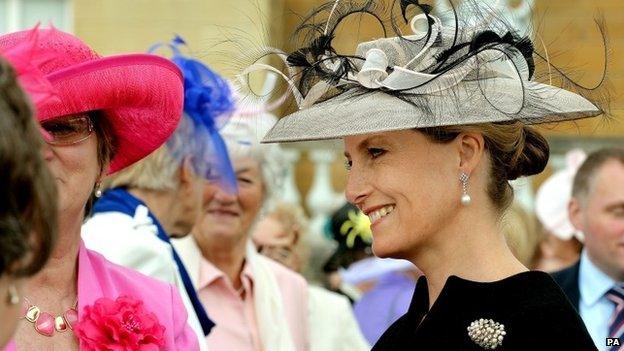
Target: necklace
[45,323]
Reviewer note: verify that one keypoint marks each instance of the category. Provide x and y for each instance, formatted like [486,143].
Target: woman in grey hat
[435,125]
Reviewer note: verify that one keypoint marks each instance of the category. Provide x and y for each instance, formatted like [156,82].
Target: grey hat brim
[357,111]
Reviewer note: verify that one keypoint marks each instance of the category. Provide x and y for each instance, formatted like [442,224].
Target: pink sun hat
[141,95]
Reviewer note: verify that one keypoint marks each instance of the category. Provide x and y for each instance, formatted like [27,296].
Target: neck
[160,203]
[468,248]
[615,274]
[55,286]
[227,254]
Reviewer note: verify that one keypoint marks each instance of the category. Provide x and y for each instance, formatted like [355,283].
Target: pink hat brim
[142,96]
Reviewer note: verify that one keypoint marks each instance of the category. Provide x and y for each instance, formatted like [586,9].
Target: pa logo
[613,342]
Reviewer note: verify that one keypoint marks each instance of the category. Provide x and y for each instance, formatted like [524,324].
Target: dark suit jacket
[568,280]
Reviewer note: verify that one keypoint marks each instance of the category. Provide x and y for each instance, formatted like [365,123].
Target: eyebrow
[614,205]
[243,170]
[364,144]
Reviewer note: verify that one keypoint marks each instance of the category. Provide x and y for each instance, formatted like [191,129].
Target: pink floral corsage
[121,324]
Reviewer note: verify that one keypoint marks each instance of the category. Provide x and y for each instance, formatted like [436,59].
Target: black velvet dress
[533,310]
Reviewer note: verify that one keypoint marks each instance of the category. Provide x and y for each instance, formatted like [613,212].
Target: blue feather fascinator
[209,102]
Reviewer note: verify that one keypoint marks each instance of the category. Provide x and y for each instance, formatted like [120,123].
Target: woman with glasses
[104,114]
[28,209]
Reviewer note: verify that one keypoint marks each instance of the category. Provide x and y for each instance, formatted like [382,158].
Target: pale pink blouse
[234,312]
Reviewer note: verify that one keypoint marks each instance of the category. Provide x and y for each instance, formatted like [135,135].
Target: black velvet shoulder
[535,312]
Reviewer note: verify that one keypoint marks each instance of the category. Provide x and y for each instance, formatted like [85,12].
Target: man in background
[595,284]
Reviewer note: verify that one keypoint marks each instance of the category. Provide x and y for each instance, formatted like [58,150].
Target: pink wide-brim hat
[141,95]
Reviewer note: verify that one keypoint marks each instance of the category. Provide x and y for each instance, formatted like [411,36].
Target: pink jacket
[10,347]
[97,277]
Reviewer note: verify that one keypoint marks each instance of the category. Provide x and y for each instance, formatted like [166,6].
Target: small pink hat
[142,95]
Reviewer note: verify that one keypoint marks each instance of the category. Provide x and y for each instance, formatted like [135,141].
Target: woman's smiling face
[231,215]
[406,184]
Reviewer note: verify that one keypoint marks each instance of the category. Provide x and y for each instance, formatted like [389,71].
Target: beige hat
[477,71]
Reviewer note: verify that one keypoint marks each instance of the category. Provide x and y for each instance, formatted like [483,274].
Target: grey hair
[160,170]
[242,136]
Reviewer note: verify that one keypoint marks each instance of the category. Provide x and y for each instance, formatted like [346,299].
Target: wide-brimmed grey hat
[477,70]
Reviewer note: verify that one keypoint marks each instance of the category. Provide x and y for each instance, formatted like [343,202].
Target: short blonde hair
[160,170]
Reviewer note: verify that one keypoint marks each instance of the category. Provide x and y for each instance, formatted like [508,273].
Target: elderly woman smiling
[435,125]
[256,303]
[106,114]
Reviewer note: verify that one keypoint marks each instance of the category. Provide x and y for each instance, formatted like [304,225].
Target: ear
[575,213]
[471,147]
[187,172]
[103,172]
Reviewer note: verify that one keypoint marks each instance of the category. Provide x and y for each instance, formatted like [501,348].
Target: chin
[387,248]
[224,231]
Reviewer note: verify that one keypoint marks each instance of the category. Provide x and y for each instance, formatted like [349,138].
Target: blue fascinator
[209,102]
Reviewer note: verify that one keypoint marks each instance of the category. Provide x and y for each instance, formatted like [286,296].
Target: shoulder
[545,316]
[103,226]
[115,280]
[104,221]
[328,307]
[395,337]
[102,278]
[117,237]
[284,275]
[328,299]
[127,279]
[567,275]
[568,281]
[537,293]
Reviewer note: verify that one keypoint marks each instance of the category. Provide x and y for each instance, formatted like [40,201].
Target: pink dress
[97,277]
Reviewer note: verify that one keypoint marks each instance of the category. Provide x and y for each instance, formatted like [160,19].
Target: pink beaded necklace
[45,323]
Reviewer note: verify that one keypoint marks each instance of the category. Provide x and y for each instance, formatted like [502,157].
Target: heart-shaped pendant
[45,324]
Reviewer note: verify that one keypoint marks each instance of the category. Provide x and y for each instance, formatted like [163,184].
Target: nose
[358,187]
[222,196]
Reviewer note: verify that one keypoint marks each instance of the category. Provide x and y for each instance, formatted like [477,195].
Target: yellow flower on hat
[358,225]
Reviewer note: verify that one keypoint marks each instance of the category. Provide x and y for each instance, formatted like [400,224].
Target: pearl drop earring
[465,198]
[13,297]
[98,191]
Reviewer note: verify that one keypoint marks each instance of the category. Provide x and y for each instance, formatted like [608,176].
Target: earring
[98,192]
[465,198]
[12,296]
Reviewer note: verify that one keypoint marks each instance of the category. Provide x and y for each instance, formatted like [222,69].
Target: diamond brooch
[487,333]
